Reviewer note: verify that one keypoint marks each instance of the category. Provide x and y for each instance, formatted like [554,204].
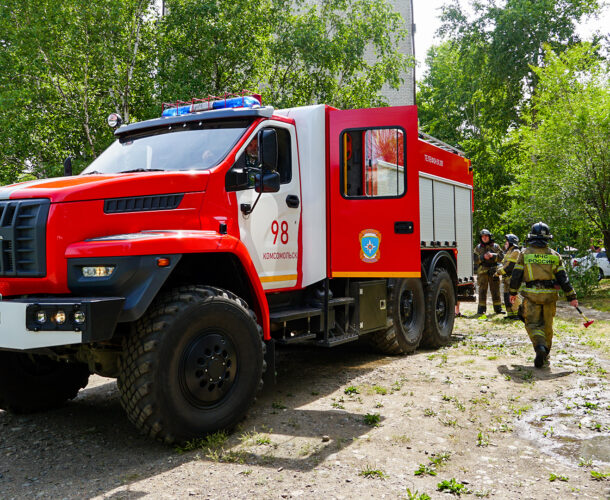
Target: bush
[584,281]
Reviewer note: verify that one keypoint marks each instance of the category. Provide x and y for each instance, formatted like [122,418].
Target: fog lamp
[97,271]
[60,317]
[79,317]
[41,317]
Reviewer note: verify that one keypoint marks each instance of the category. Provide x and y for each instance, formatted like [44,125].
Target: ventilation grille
[22,237]
[142,203]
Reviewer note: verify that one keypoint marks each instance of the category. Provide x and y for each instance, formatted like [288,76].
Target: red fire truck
[200,240]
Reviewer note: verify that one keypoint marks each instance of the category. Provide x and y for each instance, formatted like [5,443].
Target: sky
[426,13]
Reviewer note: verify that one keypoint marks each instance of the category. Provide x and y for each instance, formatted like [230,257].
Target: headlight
[97,271]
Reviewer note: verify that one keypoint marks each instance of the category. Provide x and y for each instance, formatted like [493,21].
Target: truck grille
[142,203]
[23,237]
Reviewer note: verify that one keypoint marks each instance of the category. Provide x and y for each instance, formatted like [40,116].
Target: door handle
[292,200]
[403,227]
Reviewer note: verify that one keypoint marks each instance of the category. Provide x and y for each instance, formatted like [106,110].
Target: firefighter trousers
[493,282]
[538,317]
[511,309]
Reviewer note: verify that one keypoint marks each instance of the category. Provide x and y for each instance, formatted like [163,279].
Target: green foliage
[352,389]
[584,281]
[599,476]
[452,486]
[62,76]
[564,169]
[415,495]
[372,473]
[372,419]
[210,442]
[424,469]
[480,80]
[554,477]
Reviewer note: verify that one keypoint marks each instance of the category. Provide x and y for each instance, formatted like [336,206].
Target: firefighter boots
[482,310]
[498,309]
[540,356]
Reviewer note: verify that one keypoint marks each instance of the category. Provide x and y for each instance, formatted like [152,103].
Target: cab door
[373,193]
[271,232]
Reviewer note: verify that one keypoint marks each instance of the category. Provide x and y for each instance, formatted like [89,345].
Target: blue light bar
[234,102]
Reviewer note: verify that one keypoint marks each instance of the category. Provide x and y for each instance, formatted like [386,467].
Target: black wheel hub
[406,310]
[207,369]
[441,309]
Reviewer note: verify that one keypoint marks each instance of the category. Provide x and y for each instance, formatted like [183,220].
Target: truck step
[291,314]
[296,339]
[339,339]
[341,301]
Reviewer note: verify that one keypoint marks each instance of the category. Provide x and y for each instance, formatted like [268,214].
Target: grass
[482,439]
[554,477]
[425,470]
[352,389]
[209,442]
[372,419]
[416,495]
[598,298]
[372,473]
[380,390]
[452,486]
[599,476]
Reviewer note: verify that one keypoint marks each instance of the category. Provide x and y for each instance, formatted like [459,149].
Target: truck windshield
[193,146]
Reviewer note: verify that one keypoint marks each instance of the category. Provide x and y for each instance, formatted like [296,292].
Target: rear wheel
[30,383]
[193,366]
[405,318]
[440,310]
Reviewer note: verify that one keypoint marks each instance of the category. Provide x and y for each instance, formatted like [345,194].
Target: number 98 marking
[281,230]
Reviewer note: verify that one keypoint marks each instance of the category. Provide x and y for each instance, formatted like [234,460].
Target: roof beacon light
[212,102]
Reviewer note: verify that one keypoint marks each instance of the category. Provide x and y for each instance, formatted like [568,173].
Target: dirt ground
[475,416]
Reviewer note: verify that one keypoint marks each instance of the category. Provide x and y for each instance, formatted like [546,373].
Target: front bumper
[21,329]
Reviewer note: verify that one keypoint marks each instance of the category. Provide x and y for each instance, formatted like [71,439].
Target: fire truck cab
[199,241]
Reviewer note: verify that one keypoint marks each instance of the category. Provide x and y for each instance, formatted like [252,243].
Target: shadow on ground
[88,447]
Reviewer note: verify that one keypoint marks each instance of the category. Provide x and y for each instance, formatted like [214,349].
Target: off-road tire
[164,382]
[405,324]
[31,383]
[440,310]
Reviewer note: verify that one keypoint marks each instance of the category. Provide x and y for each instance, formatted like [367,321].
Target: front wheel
[193,366]
[440,310]
[405,318]
[30,383]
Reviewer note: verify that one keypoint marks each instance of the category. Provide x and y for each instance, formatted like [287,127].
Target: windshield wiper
[142,170]
[91,173]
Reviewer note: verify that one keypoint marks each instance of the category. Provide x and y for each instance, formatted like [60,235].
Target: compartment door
[373,193]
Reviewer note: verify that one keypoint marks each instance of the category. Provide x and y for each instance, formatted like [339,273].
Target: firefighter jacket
[540,269]
[488,266]
[508,262]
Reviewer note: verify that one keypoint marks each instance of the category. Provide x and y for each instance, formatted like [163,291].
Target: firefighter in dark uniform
[542,272]
[512,250]
[487,255]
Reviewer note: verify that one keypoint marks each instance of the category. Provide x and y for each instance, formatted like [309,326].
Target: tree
[564,172]
[479,81]
[295,52]
[66,65]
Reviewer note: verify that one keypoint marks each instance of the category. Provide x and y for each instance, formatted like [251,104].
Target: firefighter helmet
[512,239]
[540,234]
[485,232]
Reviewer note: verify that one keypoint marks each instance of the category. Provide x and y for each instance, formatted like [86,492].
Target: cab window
[373,163]
[242,174]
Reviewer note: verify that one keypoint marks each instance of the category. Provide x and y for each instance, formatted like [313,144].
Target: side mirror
[269,183]
[267,150]
[68,166]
